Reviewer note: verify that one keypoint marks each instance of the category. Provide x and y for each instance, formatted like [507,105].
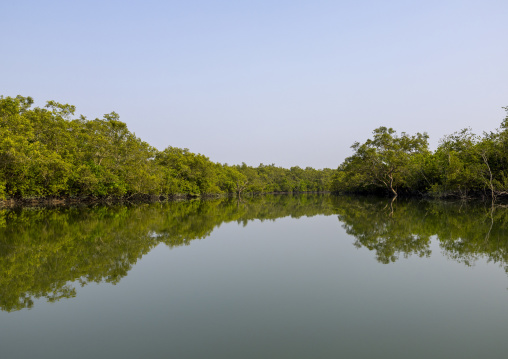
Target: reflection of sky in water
[289,288]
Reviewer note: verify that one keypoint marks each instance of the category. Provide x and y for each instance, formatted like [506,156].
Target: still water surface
[310,276]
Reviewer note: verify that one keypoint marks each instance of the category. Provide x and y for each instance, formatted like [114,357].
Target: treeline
[463,165]
[48,152]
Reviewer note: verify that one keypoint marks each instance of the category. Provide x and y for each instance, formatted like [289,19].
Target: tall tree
[382,161]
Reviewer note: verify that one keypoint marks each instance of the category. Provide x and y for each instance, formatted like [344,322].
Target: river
[303,276]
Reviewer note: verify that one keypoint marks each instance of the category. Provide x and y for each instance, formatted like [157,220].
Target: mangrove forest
[52,153]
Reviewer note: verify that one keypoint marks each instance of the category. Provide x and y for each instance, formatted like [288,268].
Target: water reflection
[466,230]
[44,253]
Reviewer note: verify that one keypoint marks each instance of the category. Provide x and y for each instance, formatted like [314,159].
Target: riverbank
[139,198]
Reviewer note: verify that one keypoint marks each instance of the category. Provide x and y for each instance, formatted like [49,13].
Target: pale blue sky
[284,82]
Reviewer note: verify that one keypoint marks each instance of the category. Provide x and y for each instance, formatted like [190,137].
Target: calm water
[267,277]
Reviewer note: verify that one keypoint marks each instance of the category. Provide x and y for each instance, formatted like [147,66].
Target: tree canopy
[463,165]
[50,152]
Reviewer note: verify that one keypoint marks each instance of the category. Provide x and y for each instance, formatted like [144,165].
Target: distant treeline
[463,165]
[48,152]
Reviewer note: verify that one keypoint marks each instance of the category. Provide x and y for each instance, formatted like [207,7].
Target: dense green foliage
[463,165]
[47,152]
[45,253]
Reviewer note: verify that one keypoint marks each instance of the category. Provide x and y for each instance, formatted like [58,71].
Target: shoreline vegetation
[136,199]
[464,165]
[50,156]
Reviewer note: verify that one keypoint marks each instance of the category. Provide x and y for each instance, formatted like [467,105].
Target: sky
[294,83]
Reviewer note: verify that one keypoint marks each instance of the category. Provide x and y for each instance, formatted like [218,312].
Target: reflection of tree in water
[477,232]
[383,227]
[43,252]
[466,231]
